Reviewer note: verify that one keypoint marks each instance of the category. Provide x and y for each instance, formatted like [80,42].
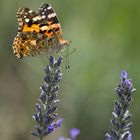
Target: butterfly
[38,33]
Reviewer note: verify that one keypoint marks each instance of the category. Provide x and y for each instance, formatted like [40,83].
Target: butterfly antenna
[67,59]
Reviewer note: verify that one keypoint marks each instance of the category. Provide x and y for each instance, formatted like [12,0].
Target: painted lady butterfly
[38,33]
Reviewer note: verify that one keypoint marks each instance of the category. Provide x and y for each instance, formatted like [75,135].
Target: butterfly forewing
[48,14]
[25,17]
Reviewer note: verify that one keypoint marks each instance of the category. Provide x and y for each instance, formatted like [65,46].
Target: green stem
[41,137]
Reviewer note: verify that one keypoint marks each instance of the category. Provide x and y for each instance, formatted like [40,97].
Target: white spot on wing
[51,15]
[44,28]
[49,8]
[36,18]
[27,20]
[30,11]
[43,16]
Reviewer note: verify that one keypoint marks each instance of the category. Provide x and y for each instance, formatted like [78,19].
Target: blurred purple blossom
[74,132]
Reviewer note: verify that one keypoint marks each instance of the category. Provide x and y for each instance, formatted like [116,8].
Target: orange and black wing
[25,16]
[48,14]
[49,18]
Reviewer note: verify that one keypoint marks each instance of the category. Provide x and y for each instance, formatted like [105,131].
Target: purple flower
[121,117]
[59,123]
[129,137]
[123,74]
[61,138]
[74,133]
[108,137]
[50,129]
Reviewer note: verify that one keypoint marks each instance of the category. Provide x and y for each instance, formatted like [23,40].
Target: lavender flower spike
[46,108]
[120,122]
[74,132]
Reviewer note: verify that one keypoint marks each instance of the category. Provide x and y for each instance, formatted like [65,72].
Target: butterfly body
[38,33]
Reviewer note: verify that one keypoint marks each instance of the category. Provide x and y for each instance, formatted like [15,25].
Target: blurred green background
[106,35]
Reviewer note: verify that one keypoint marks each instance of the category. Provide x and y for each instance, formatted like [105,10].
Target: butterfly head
[64,43]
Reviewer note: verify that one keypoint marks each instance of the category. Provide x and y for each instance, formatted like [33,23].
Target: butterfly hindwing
[50,19]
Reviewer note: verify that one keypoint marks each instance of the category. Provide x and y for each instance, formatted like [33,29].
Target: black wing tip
[44,5]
